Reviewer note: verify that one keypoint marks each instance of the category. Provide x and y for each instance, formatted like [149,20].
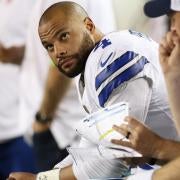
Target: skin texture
[68,40]
[143,140]
[22,176]
[170,63]
[169,171]
[12,55]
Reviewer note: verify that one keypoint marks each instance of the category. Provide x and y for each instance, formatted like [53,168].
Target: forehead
[55,20]
[58,21]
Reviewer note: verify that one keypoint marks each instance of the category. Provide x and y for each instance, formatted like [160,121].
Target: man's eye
[49,47]
[64,36]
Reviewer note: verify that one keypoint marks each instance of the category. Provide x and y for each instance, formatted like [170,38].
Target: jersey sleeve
[116,68]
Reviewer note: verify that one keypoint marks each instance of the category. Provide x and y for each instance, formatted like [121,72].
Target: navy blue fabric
[47,151]
[113,67]
[146,167]
[121,78]
[16,155]
[156,8]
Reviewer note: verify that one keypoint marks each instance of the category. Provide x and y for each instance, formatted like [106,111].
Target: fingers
[169,40]
[166,46]
[12,176]
[123,129]
[133,123]
[163,53]
[122,143]
[128,128]
[176,51]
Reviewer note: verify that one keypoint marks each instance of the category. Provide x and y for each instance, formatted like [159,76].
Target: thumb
[176,50]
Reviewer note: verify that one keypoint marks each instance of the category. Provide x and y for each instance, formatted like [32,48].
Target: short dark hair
[67,7]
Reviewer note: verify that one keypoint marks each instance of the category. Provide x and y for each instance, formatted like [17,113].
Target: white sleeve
[85,143]
[64,163]
[137,93]
[100,168]
[79,171]
[147,175]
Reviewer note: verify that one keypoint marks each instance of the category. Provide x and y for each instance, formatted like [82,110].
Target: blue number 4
[104,43]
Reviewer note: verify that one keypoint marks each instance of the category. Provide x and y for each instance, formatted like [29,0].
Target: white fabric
[13,26]
[158,115]
[146,175]
[48,175]
[145,92]
[65,162]
[35,69]
[175,5]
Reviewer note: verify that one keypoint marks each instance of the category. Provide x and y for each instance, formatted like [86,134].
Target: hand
[22,176]
[169,52]
[12,54]
[2,52]
[39,127]
[140,137]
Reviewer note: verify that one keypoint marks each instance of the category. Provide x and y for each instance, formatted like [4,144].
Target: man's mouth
[66,63]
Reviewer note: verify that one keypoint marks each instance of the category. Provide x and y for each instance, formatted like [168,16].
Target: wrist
[40,127]
[48,175]
[162,149]
[172,77]
[158,148]
[42,118]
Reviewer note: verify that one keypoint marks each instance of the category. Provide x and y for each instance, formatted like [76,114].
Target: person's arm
[143,140]
[56,174]
[64,174]
[56,87]
[67,174]
[12,55]
[168,172]
[169,52]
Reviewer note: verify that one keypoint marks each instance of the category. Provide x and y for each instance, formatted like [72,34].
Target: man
[15,153]
[53,97]
[121,66]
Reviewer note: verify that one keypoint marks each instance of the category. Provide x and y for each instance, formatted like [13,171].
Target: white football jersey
[124,66]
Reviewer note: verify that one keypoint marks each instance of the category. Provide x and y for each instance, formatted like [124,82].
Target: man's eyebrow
[54,35]
[59,31]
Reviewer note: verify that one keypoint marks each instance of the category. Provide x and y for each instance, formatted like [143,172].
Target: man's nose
[60,51]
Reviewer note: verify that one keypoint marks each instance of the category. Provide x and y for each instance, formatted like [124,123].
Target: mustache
[61,58]
[66,58]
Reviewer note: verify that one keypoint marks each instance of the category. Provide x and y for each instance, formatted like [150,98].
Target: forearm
[167,150]
[56,174]
[169,171]
[67,174]
[173,86]
[55,89]
[13,55]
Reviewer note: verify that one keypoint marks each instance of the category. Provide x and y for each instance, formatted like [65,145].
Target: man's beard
[85,49]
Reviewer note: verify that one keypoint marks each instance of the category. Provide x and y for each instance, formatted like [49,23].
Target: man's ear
[89,24]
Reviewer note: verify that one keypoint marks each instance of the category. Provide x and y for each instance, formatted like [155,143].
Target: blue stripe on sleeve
[119,79]
[113,67]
